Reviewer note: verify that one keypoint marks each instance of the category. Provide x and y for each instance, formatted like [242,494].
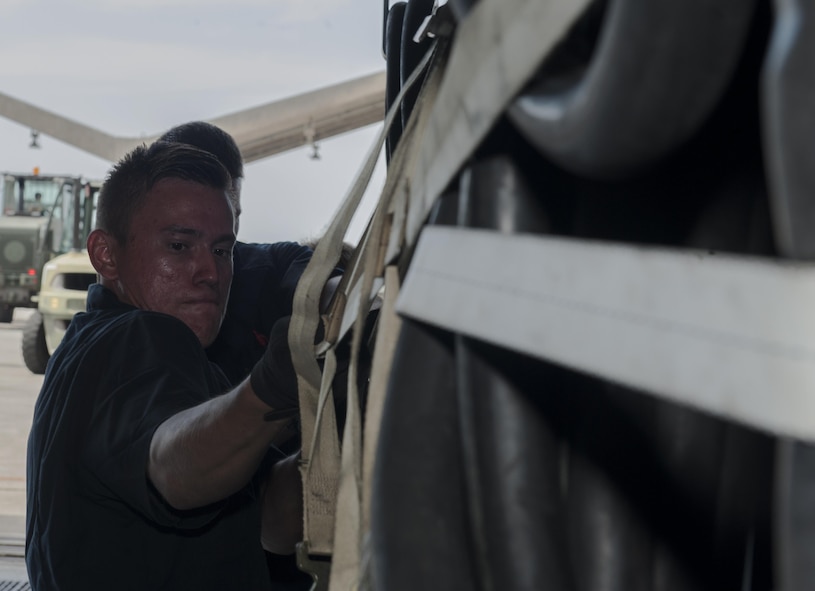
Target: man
[265,275]
[264,280]
[141,473]
[36,207]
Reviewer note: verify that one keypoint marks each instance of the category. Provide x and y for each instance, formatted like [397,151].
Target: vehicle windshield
[30,195]
[77,224]
[67,218]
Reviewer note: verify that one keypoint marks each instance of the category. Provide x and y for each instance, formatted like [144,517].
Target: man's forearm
[205,453]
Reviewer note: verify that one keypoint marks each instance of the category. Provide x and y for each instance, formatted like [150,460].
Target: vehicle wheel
[35,351]
[6,313]
[632,81]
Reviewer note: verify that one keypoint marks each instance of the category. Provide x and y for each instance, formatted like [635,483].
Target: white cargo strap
[731,335]
[320,466]
[350,519]
[390,325]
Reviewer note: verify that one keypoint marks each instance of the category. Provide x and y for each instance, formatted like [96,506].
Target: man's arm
[206,453]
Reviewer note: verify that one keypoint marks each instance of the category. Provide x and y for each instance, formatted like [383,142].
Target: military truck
[30,227]
[43,216]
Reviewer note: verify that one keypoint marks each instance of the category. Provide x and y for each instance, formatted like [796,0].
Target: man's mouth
[203,302]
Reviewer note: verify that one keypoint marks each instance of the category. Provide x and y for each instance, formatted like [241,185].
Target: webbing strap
[386,337]
[348,527]
[730,335]
[320,467]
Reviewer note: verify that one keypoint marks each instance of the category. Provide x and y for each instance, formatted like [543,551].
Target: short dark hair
[132,178]
[211,138]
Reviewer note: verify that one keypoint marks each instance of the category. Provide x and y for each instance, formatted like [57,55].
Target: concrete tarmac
[18,394]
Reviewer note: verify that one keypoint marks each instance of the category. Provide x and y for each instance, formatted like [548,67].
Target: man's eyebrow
[179,229]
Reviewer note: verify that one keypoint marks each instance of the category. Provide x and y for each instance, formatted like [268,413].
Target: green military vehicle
[43,216]
[30,229]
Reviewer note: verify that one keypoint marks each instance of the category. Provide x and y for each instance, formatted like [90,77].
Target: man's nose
[206,267]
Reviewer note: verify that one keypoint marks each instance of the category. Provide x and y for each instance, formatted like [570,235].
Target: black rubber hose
[609,490]
[654,72]
[794,515]
[419,530]
[513,459]
[393,76]
[413,52]
[512,454]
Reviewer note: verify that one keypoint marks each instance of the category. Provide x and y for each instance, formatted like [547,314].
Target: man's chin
[205,331]
[207,337]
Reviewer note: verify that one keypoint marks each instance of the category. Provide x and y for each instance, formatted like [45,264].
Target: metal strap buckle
[319,567]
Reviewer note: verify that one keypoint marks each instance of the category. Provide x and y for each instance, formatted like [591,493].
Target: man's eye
[177,245]
[223,252]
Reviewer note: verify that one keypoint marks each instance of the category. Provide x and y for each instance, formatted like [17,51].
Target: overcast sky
[132,67]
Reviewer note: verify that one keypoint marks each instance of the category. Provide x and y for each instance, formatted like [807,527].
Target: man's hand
[273,378]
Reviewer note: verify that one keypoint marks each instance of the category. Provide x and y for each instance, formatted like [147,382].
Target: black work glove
[273,378]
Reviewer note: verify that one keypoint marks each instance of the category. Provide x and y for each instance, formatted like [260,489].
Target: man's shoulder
[116,347]
[254,254]
[106,312]
[131,329]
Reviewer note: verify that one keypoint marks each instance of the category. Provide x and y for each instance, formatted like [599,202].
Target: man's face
[178,257]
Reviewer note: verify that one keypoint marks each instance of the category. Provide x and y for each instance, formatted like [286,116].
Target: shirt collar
[101,298]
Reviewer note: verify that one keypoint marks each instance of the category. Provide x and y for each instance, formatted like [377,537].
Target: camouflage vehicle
[43,216]
[30,231]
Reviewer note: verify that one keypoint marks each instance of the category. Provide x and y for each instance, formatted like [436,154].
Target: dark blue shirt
[94,521]
[264,279]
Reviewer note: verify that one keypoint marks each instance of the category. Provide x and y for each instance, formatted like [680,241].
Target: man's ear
[102,251]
